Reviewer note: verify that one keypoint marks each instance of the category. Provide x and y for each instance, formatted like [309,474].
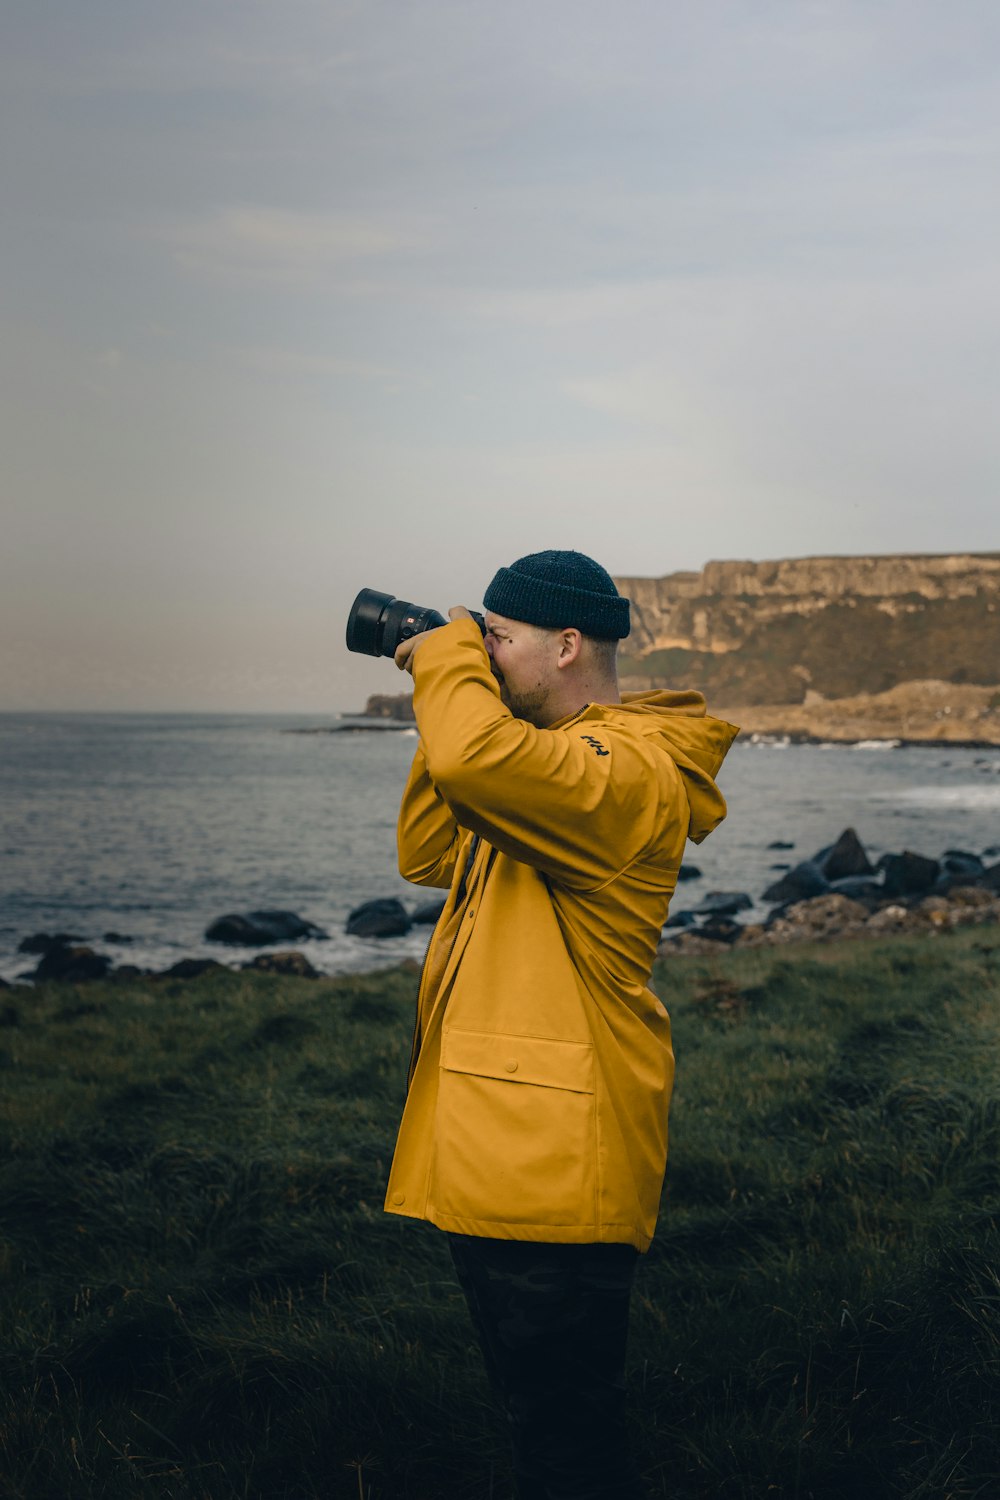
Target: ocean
[151,826]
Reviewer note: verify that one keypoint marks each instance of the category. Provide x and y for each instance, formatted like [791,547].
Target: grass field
[200,1296]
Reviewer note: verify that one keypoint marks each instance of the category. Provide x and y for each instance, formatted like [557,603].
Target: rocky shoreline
[835,918]
[837,894]
[72,959]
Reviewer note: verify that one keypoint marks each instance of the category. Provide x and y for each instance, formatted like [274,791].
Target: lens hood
[364,623]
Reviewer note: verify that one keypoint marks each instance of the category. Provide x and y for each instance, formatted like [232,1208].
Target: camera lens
[365,622]
[378,622]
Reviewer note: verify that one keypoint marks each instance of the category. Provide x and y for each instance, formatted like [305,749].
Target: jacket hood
[697,744]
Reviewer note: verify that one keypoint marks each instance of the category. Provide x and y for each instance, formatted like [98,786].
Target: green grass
[200,1296]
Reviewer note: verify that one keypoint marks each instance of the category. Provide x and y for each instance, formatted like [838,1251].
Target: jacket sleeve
[427,835]
[546,797]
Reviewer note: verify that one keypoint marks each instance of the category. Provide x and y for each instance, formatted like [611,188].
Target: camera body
[378,623]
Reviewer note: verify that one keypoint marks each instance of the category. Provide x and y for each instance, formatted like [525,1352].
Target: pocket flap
[520,1059]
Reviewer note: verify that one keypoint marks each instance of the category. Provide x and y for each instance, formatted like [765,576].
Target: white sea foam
[971,796]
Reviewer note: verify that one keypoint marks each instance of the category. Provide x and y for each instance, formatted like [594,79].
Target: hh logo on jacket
[595,744]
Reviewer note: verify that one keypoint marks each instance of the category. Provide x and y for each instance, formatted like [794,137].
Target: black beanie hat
[557,590]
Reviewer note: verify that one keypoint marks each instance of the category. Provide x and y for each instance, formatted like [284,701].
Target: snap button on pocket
[398,1198]
[511,1065]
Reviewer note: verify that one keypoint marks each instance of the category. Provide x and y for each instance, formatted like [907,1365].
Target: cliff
[396,706]
[804,631]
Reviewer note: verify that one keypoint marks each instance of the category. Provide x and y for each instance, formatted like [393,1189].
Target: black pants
[552,1322]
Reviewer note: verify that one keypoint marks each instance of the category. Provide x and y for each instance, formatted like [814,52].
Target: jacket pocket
[515,1139]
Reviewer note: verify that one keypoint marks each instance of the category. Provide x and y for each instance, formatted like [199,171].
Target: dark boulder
[680,919]
[427,914]
[799,884]
[115,937]
[780,844]
[959,862]
[379,919]
[720,929]
[846,857]
[958,869]
[259,928]
[722,903]
[908,874]
[991,878]
[859,888]
[192,968]
[688,872]
[293,963]
[41,942]
[72,964]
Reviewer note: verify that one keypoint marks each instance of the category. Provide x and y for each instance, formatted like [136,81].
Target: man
[535,1126]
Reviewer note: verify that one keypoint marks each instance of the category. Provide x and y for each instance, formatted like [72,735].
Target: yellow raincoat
[542,1067]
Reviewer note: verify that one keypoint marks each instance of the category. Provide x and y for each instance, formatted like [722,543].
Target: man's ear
[570,642]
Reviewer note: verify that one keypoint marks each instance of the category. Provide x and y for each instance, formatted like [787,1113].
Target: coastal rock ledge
[923,712]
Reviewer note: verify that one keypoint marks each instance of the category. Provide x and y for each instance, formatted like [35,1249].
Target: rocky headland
[396,707]
[829,648]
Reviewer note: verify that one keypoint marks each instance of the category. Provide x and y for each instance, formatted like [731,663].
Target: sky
[310,296]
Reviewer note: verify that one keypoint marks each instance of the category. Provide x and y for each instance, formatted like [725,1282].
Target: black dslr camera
[378,624]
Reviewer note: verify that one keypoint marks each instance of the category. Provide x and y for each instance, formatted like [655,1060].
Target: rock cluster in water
[839,893]
[67,958]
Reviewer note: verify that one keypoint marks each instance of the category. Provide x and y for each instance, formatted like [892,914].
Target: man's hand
[404,652]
